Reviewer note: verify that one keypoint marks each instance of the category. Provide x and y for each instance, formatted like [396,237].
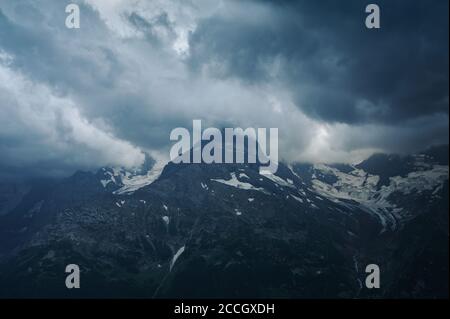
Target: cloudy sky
[136,69]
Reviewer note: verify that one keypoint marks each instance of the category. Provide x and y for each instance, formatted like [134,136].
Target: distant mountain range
[224,230]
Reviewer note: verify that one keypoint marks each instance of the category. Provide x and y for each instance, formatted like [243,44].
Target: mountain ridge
[224,230]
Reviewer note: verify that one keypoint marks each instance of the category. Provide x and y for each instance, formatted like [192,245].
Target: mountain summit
[225,230]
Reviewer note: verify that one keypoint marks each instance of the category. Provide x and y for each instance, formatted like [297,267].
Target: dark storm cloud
[51,53]
[336,69]
[82,64]
[104,94]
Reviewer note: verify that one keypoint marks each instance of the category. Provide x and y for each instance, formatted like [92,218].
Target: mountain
[11,193]
[224,230]
[393,187]
[125,181]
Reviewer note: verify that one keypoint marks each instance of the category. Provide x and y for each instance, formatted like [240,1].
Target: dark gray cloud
[336,68]
[103,94]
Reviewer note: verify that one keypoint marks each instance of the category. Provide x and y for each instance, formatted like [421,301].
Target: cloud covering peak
[116,87]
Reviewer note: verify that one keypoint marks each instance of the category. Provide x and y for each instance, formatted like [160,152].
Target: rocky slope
[224,230]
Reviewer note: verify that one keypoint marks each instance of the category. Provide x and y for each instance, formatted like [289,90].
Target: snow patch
[176,256]
[204,186]
[279,181]
[298,199]
[243,175]
[361,187]
[234,182]
[111,179]
[133,183]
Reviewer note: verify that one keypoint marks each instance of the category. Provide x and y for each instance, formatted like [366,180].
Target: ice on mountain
[132,183]
[234,182]
[111,178]
[293,172]
[243,175]
[105,182]
[176,256]
[278,180]
[298,199]
[437,189]
[362,187]
[420,180]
